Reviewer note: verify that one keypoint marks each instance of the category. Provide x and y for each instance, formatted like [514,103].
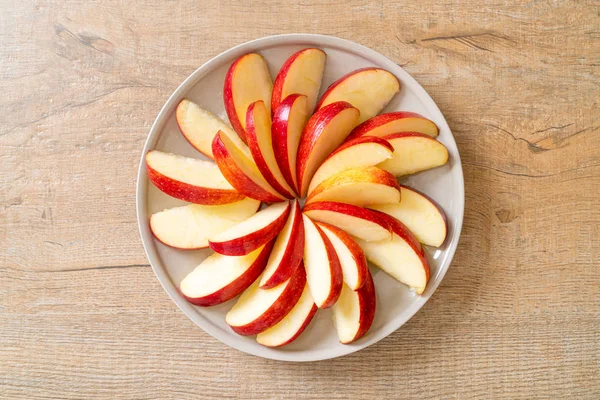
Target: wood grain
[81,313]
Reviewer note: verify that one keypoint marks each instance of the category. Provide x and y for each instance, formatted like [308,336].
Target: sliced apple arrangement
[325,171]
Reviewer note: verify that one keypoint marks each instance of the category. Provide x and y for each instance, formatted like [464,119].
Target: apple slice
[287,252]
[259,309]
[368,89]
[357,221]
[258,135]
[361,152]
[352,258]
[292,325]
[358,186]
[402,257]
[248,80]
[199,126]
[288,122]
[324,132]
[252,233]
[423,216]
[414,152]
[354,312]
[323,269]
[394,122]
[188,179]
[220,278]
[189,227]
[300,74]
[237,166]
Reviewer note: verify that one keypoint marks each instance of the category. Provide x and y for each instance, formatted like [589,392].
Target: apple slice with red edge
[421,215]
[258,135]
[368,89]
[287,252]
[220,278]
[357,221]
[414,152]
[402,257]
[189,227]
[323,133]
[361,152]
[259,309]
[398,121]
[237,166]
[323,270]
[292,325]
[199,126]
[351,256]
[189,179]
[288,122]
[252,233]
[354,311]
[358,186]
[300,74]
[248,80]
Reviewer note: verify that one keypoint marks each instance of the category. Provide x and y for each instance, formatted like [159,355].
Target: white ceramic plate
[395,303]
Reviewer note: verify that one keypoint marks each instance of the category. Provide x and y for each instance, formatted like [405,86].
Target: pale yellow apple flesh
[303,76]
[355,225]
[323,269]
[421,215]
[192,171]
[397,258]
[252,232]
[287,250]
[247,81]
[200,126]
[364,154]
[220,278]
[358,186]
[189,227]
[292,325]
[414,153]
[241,156]
[352,258]
[260,142]
[369,90]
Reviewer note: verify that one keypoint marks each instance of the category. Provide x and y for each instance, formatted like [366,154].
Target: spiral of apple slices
[285,261]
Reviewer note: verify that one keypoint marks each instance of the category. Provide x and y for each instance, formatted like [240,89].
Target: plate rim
[142,184]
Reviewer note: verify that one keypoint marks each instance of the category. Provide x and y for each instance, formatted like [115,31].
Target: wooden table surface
[81,312]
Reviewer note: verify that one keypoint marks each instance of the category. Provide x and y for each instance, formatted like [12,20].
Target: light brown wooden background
[81,313]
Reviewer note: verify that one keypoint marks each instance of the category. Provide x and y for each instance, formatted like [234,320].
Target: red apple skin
[379,120]
[368,303]
[359,140]
[357,252]
[306,322]
[337,277]
[276,99]
[342,79]
[238,179]
[252,241]
[190,193]
[349,209]
[278,310]
[257,155]
[280,133]
[312,131]
[292,258]
[401,230]
[236,287]
[439,208]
